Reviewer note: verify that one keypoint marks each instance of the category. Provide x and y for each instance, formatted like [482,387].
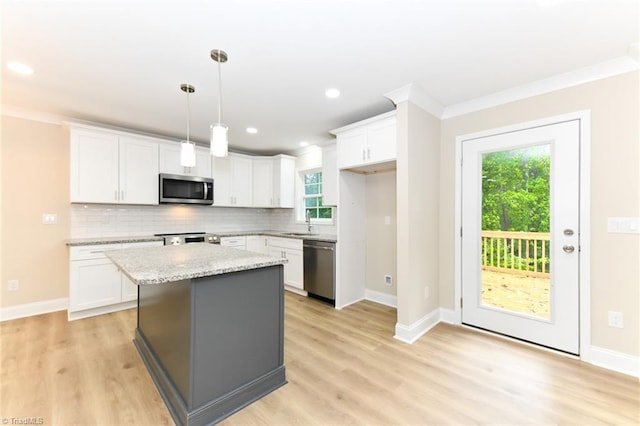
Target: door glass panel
[515,236]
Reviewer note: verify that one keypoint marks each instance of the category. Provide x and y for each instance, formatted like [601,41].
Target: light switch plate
[49,218]
[623,225]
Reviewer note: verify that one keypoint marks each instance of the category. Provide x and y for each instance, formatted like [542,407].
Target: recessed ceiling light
[20,68]
[332,93]
[252,130]
[304,143]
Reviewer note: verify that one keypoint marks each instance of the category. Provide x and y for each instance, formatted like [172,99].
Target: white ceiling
[121,62]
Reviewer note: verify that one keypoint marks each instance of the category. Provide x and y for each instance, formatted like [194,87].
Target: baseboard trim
[102,310]
[34,308]
[615,361]
[449,316]
[381,298]
[411,333]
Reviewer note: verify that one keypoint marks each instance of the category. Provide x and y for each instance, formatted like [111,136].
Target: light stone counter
[111,240]
[157,265]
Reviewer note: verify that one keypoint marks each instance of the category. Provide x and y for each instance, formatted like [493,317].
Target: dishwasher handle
[319,248]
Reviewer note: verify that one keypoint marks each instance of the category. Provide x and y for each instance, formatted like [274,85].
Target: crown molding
[33,115]
[417,95]
[577,77]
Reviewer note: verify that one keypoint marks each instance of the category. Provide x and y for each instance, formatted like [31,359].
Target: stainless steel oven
[188,238]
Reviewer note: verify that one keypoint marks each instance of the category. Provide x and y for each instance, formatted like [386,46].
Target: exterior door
[520,236]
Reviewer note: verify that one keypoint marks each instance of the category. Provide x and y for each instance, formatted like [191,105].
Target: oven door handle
[206,190]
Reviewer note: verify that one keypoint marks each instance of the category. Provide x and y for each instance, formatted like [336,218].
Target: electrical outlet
[388,281]
[616,319]
[13,285]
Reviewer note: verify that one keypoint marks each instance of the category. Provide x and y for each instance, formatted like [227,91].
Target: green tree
[515,190]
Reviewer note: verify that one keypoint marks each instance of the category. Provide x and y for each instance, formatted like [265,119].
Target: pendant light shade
[187,149]
[219,142]
[187,154]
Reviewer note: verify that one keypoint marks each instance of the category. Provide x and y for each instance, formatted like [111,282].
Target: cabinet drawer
[91,252]
[237,242]
[287,243]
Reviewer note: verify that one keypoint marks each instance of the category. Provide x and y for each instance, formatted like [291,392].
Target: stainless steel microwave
[179,189]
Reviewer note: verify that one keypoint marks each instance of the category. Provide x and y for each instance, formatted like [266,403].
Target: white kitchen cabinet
[138,171]
[291,249]
[368,142]
[234,242]
[232,176]
[284,181]
[262,175]
[96,286]
[112,168]
[170,161]
[257,243]
[329,176]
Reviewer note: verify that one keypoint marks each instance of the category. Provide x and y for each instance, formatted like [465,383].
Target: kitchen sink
[299,234]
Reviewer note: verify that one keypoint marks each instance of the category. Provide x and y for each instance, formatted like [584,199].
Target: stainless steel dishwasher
[320,270]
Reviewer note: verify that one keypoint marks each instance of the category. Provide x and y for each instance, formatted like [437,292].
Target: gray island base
[212,344]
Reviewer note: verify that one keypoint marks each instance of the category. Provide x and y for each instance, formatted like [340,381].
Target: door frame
[584,285]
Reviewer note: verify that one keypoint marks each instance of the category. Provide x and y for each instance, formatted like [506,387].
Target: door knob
[568,249]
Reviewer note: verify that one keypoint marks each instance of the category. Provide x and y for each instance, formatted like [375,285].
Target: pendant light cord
[188,114]
[219,91]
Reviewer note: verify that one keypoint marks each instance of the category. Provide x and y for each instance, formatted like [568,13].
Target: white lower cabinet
[96,286]
[291,249]
[234,242]
[257,243]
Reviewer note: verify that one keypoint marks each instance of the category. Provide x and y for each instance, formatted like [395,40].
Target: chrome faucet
[308,221]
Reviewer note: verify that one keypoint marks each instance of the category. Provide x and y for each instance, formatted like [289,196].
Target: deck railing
[522,253]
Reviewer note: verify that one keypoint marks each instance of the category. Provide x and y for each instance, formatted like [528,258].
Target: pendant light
[187,148]
[219,142]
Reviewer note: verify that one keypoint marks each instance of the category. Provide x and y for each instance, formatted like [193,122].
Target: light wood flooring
[343,367]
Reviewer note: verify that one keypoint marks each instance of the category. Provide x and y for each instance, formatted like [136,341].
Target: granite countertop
[111,240]
[144,238]
[157,265]
[282,234]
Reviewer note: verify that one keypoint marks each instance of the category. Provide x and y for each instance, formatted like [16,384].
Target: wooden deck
[519,293]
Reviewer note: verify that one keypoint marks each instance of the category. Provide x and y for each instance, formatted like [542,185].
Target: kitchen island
[210,326]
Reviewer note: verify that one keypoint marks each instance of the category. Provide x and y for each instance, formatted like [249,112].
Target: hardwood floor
[343,367]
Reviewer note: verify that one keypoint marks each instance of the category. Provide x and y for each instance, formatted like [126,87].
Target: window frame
[301,197]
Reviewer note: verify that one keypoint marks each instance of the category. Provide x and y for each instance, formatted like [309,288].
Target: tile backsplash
[93,220]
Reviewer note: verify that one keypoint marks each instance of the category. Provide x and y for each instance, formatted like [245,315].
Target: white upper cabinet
[263,182]
[94,167]
[284,181]
[138,171]
[232,181]
[170,161]
[113,168]
[367,142]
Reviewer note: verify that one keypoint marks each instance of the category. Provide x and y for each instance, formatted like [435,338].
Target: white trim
[72,316]
[295,290]
[34,308]
[588,74]
[584,117]
[417,95]
[411,333]
[616,361]
[449,316]
[360,123]
[381,298]
[33,115]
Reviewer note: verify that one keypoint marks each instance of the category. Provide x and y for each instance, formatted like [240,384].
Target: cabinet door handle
[363,157]
[368,154]
[122,195]
[115,195]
